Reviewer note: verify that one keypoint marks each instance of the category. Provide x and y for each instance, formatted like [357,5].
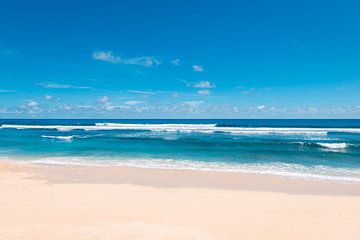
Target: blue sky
[179,59]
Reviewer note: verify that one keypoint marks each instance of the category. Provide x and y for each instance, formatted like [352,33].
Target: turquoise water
[324,149]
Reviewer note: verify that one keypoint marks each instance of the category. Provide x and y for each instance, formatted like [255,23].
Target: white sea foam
[71,137]
[326,145]
[278,169]
[334,145]
[201,128]
[58,127]
[63,138]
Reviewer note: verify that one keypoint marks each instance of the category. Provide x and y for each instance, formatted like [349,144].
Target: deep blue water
[326,149]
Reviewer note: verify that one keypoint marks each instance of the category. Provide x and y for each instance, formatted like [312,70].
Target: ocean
[297,148]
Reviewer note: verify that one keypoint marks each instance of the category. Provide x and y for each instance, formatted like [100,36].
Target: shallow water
[324,149]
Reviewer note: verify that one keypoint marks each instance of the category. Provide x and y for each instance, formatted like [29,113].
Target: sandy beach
[70,202]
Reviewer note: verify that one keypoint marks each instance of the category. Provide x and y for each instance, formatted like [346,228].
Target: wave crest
[334,145]
[63,138]
[200,128]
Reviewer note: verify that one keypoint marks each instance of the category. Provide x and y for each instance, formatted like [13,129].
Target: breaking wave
[201,128]
[63,138]
[334,145]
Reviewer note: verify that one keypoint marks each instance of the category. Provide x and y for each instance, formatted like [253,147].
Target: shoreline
[279,170]
[179,178]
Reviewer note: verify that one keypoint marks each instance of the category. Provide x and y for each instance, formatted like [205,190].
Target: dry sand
[47,202]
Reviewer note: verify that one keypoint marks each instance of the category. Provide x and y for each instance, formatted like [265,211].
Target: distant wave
[200,128]
[335,147]
[64,138]
[278,169]
[148,135]
[71,137]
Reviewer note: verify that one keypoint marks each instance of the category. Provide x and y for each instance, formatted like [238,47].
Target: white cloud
[133,102]
[33,105]
[141,92]
[193,104]
[261,107]
[48,97]
[197,68]
[105,103]
[104,99]
[203,84]
[67,107]
[312,109]
[60,86]
[54,85]
[143,61]
[204,92]
[108,56]
[109,107]
[175,62]
[191,109]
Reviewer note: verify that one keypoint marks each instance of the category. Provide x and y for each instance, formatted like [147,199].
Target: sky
[179,59]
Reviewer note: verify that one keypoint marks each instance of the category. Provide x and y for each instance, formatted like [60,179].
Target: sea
[325,149]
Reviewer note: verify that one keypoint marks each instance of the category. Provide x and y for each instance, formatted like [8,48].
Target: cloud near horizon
[191,108]
[48,97]
[33,105]
[104,99]
[134,102]
[204,92]
[203,84]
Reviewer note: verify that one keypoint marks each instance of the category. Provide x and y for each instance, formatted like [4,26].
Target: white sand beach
[67,202]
